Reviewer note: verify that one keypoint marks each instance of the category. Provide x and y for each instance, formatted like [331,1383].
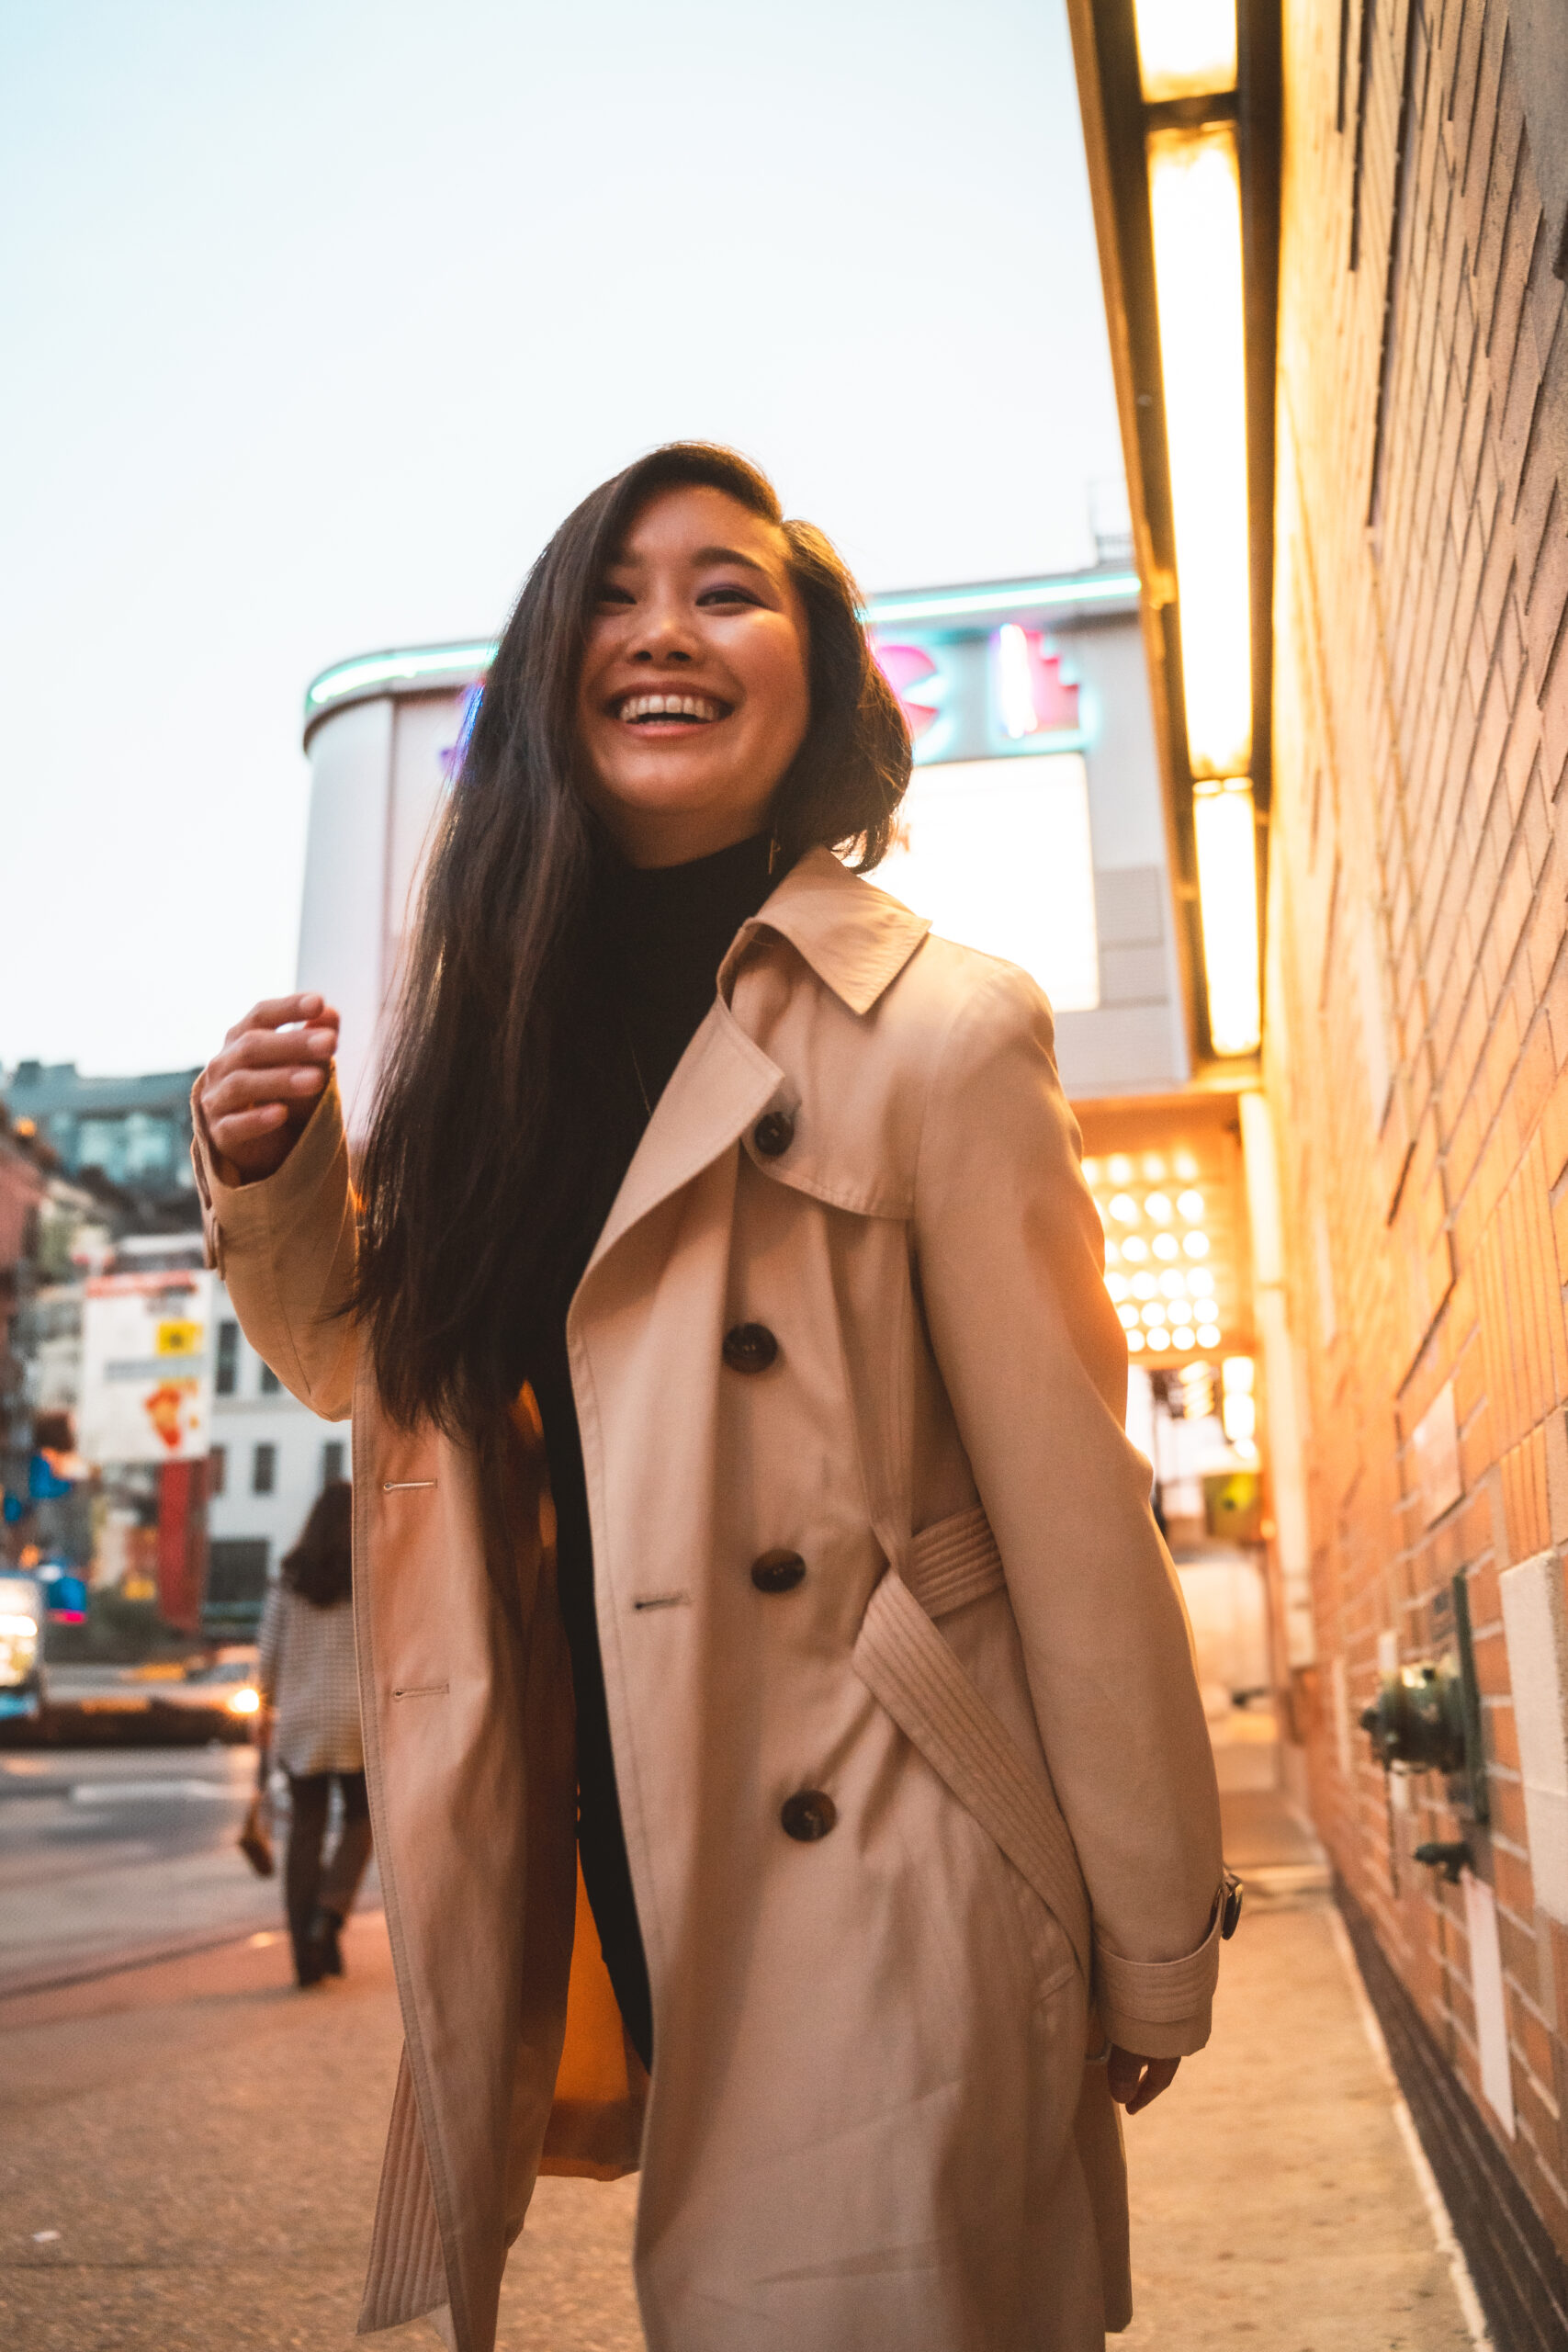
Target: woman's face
[693,698]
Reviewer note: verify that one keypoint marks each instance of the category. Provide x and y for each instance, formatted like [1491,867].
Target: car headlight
[243,1702]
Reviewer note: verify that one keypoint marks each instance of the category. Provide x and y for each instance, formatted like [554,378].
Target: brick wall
[1418,1029]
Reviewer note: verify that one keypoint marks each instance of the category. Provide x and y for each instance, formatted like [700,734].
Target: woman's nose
[666,635]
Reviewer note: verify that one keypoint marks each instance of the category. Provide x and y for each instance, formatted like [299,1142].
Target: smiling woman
[692,701]
[720,1306]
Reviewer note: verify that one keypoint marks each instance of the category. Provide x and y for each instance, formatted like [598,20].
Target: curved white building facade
[1033,825]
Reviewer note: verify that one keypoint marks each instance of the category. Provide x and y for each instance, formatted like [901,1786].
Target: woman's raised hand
[260,1090]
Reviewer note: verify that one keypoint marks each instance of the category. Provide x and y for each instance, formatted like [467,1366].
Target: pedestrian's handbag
[255,1835]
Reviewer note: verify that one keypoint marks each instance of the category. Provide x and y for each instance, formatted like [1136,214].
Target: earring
[776,852]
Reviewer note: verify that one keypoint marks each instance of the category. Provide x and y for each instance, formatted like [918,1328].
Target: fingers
[229,1093]
[273,1048]
[279,1011]
[1137,2082]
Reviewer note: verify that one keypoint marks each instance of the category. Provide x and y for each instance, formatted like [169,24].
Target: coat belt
[913,1672]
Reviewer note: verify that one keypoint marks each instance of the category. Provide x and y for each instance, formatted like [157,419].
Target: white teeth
[636,706]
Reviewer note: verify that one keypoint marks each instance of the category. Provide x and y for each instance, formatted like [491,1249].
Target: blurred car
[216,1700]
[166,1703]
[21,1648]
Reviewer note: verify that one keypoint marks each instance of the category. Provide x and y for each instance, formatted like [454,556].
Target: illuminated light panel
[1183,1336]
[1165,1245]
[1195,1244]
[1134,1343]
[1128,1318]
[998,853]
[1157,1209]
[1227,897]
[1119,1167]
[396,669]
[1135,1249]
[1195,206]
[1123,1208]
[1186,47]
[1190,1206]
[1159,1337]
[1143,1286]
[1208,1335]
[958,603]
[1154,1168]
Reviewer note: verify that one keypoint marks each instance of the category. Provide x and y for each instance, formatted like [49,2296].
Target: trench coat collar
[855,939]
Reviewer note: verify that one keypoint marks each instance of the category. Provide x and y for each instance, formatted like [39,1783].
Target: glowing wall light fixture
[1195,202]
[1186,47]
[1238,1407]
[1228,897]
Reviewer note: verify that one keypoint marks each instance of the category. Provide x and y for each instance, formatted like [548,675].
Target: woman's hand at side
[1135,2082]
[259,1092]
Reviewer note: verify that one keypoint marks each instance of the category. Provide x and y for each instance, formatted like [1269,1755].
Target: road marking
[133,1791]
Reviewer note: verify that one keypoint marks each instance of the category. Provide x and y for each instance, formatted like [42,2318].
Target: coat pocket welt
[422,1690]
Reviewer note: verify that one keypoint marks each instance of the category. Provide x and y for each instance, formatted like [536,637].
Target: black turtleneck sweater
[662,933]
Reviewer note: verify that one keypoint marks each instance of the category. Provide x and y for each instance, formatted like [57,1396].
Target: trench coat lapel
[720,1084]
[855,937]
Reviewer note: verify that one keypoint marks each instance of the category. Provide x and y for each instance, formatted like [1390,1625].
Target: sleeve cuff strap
[1159,2007]
[234,1213]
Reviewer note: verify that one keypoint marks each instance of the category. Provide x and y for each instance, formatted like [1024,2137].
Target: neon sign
[1032,696]
[906,668]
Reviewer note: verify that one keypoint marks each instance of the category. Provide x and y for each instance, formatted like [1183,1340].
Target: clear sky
[318,316]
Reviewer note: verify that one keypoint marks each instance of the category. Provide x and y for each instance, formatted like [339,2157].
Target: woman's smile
[668,713]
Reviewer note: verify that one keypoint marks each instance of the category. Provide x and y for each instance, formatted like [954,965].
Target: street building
[134,1132]
[168,1527]
[1333,243]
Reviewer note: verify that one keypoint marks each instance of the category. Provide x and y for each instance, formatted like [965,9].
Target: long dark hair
[320,1567]
[481,1141]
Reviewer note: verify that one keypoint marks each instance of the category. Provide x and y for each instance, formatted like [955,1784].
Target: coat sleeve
[1010,1257]
[285,1247]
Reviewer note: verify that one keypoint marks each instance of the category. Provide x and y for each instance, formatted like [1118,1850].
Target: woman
[840,1638]
[312,1730]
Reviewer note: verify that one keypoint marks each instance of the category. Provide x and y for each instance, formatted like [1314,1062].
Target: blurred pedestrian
[308,1687]
[843,1651]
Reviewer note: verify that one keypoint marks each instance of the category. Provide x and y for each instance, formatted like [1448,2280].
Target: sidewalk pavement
[190,2149]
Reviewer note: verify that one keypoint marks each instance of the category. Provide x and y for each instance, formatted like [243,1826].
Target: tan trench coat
[871,2124]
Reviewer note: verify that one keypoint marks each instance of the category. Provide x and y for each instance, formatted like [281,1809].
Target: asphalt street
[108,1854]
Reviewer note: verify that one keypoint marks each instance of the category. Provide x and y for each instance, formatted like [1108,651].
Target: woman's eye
[731,592]
[609,593]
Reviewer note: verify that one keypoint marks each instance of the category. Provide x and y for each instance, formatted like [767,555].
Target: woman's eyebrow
[627,559]
[730,554]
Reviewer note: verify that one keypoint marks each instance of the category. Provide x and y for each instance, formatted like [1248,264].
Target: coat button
[749,1347]
[774,1133]
[778,1571]
[809,1814]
